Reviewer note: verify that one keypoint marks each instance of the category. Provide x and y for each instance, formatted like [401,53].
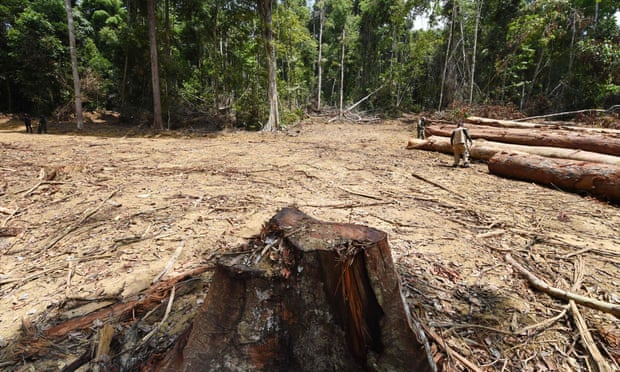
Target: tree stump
[307,295]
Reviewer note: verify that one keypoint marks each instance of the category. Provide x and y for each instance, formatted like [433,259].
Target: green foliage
[35,45]
[211,56]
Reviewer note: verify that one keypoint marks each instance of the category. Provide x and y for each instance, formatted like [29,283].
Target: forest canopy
[540,56]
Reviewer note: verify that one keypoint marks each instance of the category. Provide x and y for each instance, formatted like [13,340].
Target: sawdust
[99,214]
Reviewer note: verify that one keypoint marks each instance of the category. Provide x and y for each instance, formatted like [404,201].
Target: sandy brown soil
[117,207]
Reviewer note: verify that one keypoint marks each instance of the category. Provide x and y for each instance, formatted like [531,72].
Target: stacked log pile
[572,158]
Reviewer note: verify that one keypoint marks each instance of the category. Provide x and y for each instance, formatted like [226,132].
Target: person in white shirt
[461,142]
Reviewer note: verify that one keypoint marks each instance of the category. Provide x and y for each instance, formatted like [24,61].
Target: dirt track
[117,208]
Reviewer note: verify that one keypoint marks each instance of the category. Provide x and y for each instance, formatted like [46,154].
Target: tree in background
[157,119]
[296,51]
[265,10]
[37,56]
[74,67]
[214,63]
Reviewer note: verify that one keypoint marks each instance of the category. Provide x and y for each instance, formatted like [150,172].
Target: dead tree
[306,296]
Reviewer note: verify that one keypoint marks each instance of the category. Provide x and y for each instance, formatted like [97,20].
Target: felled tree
[307,296]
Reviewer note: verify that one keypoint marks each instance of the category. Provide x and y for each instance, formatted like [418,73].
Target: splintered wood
[310,296]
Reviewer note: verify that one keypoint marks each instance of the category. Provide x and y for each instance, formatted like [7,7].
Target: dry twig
[562,294]
[437,185]
[451,352]
[170,263]
[72,228]
[586,336]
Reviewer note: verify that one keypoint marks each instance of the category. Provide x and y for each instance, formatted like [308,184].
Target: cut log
[312,296]
[475,120]
[484,150]
[600,180]
[594,142]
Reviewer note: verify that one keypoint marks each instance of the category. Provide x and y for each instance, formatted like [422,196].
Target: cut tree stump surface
[308,296]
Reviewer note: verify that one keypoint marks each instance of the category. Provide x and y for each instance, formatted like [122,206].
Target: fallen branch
[361,194]
[72,228]
[562,294]
[348,109]
[158,326]
[437,185]
[170,263]
[348,205]
[152,297]
[450,351]
[9,231]
[44,182]
[567,113]
[584,332]
[5,210]
[542,325]
[13,213]
[588,341]
[106,333]
[490,234]
[363,99]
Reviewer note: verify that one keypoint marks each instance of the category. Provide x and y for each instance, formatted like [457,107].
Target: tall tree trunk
[265,9]
[167,26]
[571,53]
[320,57]
[445,65]
[158,123]
[473,53]
[341,109]
[218,97]
[122,88]
[74,67]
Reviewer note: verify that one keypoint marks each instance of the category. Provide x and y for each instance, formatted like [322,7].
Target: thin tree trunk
[265,8]
[473,55]
[320,57]
[571,54]
[158,123]
[74,67]
[167,26]
[341,111]
[445,65]
[218,98]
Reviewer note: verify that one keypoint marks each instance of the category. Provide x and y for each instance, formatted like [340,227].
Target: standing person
[421,125]
[461,142]
[28,122]
[42,124]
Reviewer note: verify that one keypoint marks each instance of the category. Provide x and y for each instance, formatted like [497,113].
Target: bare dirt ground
[93,217]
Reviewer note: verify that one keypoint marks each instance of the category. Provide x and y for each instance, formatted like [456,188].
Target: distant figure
[461,142]
[421,125]
[42,124]
[28,122]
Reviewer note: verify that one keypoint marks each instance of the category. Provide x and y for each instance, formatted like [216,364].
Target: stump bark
[306,296]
